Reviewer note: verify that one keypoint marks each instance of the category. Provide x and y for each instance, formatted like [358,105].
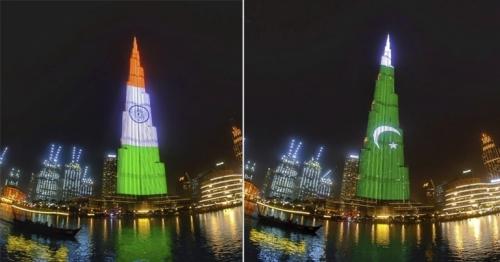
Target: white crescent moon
[381,129]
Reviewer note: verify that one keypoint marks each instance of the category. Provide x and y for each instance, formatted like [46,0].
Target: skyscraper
[286,174]
[2,161]
[325,186]
[383,175]
[47,182]
[87,184]
[72,175]
[350,177]
[13,177]
[109,176]
[140,171]
[491,156]
[237,143]
[249,170]
[310,177]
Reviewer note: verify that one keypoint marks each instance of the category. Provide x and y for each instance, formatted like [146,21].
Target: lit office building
[87,184]
[221,188]
[286,174]
[2,161]
[491,156]
[430,193]
[249,170]
[109,176]
[47,182]
[471,196]
[268,180]
[325,186]
[310,178]
[237,143]
[72,175]
[13,177]
[350,177]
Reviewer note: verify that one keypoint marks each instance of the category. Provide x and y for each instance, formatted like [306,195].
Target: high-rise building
[109,176]
[491,156]
[72,175]
[13,177]
[350,177]
[2,161]
[325,186]
[430,191]
[249,170]
[87,184]
[237,143]
[268,180]
[140,171]
[309,180]
[383,175]
[286,174]
[47,182]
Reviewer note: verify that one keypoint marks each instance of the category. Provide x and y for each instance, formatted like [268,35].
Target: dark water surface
[199,237]
[476,239]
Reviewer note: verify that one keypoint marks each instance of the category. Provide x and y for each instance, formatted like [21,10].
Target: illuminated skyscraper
[72,175]
[87,184]
[491,155]
[13,177]
[268,180]
[2,161]
[237,143]
[47,182]
[325,186]
[350,177]
[109,176]
[310,178]
[140,171]
[286,174]
[249,170]
[383,175]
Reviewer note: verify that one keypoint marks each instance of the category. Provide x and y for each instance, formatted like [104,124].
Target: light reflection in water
[475,239]
[18,244]
[180,238]
[278,243]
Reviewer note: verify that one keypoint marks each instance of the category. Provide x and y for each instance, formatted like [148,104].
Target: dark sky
[65,67]
[311,71]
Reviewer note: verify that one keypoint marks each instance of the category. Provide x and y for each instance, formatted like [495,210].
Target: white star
[393,145]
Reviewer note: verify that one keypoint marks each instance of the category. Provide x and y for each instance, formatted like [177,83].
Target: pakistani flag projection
[140,171]
[383,175]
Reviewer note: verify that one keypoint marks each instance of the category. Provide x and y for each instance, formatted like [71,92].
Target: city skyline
[89,82]
[443,108]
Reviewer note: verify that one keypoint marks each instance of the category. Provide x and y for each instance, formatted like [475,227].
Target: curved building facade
[472,196]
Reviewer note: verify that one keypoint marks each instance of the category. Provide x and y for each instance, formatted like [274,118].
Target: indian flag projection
[140,171]
[383,175]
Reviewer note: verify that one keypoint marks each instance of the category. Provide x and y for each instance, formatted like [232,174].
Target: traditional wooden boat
[290,225]
[44,228]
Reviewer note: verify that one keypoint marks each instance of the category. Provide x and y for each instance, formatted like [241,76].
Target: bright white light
[496,180]
[354,156]
[386,58]
[112,155]
[466,171]
[219,164]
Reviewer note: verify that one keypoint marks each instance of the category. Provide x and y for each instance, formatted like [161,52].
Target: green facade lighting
[383,175]
[140,171]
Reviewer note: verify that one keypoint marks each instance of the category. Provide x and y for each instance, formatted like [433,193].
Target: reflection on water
[197,237]
[476,239]
[21,245]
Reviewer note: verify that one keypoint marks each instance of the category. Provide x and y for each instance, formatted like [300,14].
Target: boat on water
[44,228]
[288,224]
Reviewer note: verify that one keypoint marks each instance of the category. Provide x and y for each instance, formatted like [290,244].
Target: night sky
[64,73]
[311,71]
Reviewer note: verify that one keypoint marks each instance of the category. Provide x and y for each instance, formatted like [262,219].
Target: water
[199,237]
[476,239]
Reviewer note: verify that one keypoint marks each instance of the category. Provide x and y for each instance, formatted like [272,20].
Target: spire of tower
[136,76]
[386,58]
